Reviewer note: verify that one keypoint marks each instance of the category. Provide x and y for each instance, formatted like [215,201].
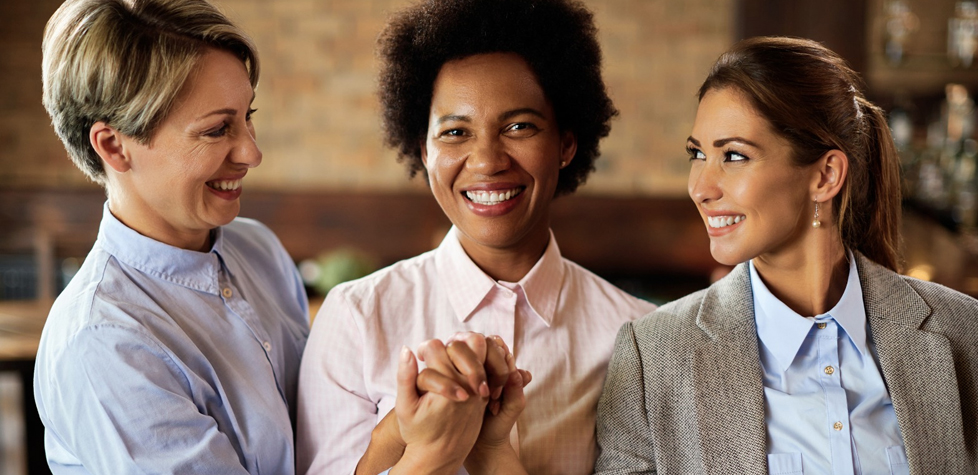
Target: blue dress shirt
[827,408]
[157,359]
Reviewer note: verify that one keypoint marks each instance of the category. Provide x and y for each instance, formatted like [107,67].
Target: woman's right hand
[438,432]
[492,452]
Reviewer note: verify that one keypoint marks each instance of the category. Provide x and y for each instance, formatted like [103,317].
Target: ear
[109,144]
[831,171]
[568,148]
[424,153]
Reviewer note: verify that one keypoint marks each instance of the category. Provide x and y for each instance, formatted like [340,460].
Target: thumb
[407,379]
[513,400]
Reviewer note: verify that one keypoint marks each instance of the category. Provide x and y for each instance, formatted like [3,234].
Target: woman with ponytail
[813,355]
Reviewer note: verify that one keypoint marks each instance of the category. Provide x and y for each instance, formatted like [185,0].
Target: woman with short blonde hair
[176,346]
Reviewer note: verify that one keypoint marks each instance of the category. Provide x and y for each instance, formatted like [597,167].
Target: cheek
[441,168]
[540,160]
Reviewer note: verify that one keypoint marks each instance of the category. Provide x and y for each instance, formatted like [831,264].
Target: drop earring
[816,223]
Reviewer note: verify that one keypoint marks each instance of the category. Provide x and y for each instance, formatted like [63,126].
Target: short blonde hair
[123,62]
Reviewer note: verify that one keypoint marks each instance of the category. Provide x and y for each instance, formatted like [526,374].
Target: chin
[728,257]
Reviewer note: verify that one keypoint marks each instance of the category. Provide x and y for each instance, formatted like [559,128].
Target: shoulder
[952,313]
[949,311]
[944,298]
[251,234]
[250,245]
[92,298]
[413,276]
[672,318]
[601,295]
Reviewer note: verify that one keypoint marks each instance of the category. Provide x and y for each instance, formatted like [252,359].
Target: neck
[811,278]
[508,264]
[138,216]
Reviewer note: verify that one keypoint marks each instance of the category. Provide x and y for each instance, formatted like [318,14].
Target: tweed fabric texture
[684,392]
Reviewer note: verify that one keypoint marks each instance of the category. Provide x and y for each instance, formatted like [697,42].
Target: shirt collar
[192,269]
[468,286]
[850,312]
[782,331]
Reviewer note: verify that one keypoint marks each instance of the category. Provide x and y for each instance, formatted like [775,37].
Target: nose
[246,151]
[488,157]
[705,182]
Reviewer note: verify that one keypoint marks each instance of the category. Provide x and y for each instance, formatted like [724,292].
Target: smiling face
[493,153]
[753,200]
[187,179]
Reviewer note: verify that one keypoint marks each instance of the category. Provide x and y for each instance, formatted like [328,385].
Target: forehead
[218,80]
[727,112]
[485,83]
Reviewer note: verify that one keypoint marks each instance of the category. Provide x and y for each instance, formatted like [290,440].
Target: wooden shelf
[920,75]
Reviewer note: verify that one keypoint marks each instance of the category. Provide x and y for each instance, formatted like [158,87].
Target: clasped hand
[461,408]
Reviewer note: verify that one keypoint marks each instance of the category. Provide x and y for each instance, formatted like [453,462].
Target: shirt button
[821,325]
[829,370]
[226,293]
[267,346]
[837,426]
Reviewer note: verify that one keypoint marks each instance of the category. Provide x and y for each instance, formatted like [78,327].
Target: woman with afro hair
[500,104]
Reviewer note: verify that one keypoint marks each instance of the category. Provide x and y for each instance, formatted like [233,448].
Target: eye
[218,132]
[521,129]
[452,135]
[249,114]
[732,156]
[695,154]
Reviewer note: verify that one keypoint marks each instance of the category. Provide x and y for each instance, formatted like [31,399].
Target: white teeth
[724,221]
[225,185]
[491,197]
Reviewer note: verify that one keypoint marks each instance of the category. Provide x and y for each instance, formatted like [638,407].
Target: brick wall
[318,121]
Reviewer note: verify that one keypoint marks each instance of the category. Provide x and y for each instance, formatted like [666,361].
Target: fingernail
[484,389]
[519,378]
[494,408]
[461,394]
[405,354]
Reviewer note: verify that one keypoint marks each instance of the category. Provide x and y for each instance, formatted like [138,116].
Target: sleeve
[623,430]
[335,413]
[117,402]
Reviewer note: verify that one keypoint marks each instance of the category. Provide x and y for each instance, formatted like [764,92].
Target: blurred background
[343,206]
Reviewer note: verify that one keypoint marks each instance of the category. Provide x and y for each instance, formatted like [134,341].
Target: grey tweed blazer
[684,390]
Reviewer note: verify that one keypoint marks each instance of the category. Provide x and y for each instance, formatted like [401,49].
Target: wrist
[434,462]
[489,458]
[388,433]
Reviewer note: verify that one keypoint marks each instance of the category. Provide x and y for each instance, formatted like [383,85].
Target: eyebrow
[219,112]
[504,116]
[525,110]
[721,142]
[226,111]
[451,117]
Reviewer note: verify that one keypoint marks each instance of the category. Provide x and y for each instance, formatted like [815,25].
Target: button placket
[836,401]
[246,313]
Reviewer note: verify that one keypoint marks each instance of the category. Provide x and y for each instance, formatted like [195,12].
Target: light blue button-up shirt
[157,359]
[827,408]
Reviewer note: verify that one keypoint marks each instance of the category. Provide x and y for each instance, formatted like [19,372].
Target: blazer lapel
[918,369]
[727,379]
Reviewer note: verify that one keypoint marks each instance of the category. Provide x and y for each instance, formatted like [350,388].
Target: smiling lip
[226,188]
[493,200]
[722,223]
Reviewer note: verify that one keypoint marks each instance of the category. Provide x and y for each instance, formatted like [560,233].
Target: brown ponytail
[814,100]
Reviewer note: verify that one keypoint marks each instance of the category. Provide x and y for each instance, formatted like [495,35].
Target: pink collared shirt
[560,321]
